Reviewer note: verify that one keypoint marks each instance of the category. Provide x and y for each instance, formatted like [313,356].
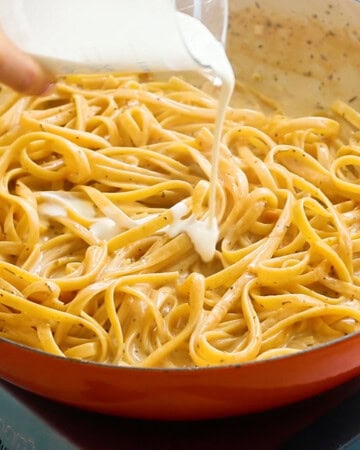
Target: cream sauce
[203,45]
[60,203]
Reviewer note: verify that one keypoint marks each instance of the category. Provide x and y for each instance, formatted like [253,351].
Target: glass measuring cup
[113,35]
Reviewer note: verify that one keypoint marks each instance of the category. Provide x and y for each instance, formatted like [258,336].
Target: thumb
[20,71]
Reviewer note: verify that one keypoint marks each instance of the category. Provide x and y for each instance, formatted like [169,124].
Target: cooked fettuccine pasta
[104,193]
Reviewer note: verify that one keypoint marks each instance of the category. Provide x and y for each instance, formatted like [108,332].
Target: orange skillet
[175,394]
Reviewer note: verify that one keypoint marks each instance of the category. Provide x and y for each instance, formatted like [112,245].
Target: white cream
[203,235]
[104,228]
[51,210]
[58,203]
[209,53]
[54,202]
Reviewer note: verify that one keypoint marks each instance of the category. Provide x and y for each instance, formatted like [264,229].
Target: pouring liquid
[204,234]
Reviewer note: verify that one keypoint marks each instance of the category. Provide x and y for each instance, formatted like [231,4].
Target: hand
[20,71]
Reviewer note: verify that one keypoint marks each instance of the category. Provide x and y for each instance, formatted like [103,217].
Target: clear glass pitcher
[212,13]
[115,35]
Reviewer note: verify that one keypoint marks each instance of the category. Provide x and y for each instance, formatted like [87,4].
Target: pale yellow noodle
[91,177]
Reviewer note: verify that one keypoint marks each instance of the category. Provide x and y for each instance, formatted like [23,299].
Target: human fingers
[20,71]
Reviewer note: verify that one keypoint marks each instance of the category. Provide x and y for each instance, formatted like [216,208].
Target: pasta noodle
[100,186]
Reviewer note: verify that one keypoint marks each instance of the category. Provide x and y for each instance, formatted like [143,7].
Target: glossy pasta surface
[91,179]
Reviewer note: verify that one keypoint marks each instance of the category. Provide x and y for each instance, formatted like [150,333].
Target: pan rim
[215,367]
